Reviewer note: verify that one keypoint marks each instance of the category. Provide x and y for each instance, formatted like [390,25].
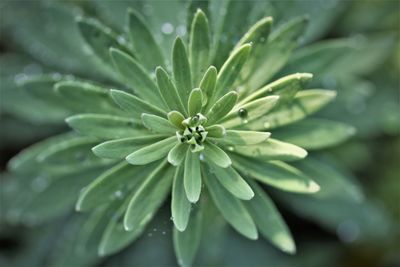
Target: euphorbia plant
[184,125]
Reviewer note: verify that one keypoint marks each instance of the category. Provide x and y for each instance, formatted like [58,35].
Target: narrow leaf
[192,176]
[208,83]
[157,124]
[180,205]
[195,101]
[222,107]
[234,137]
[152,152]
[177,154]
[105,126]
[181,69]
[216,155]
[231,208]
[168,91]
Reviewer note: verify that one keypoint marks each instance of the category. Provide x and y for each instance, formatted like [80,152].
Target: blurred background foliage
[350,46]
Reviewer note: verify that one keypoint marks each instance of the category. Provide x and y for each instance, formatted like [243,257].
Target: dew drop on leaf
[167,28]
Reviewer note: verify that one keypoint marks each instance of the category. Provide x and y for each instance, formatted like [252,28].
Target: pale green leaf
[157,124]
[271,149]
[234,137]
[195,102]
[180,205]
[231,208]
[232,181]
[199,46]
[113,184]
[315,133]
[192,176]
[186,243]
[148,197]
[136,77]
[276,174]
[168,91]
[143,42]
[120,148]
[305,103]
[250,112]
[216,155]
[177,154]
[216,131]
[269,221]
[152,152]
[134,105]
[208,83]
[222,107]
[105,126]
[176,118]
[181,70]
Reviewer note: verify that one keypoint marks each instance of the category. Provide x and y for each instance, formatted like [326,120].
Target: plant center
[194,133]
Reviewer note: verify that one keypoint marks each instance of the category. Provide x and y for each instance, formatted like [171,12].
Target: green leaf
[195,102]
[85,97]
[186,243]
[100,38]
[181,70]
[305,103]
[276,174]
[315,133]
[257,34]
[113,184]
[222,107]
[136,77]
[208,83]
[180,205]
[231,208]
[199,46]
[216,131]
[285,87]
[168,91]
[105,126]
[120,148]
[271,149]
[157,124]
[134,105]
[269,221]
[250,112]
[177,154]
[274,54]
[230,70]
[232,181]
[215,154]
[234,137]
[143,42]
[148,197]
[152,152]
[176,118]
[192,176]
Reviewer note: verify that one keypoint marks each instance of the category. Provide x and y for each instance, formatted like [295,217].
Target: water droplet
[167,28]
[267,124]
[121,40]
[231,148]
[119,194]
[155,229]
[201,156]
[242,113]
[163,232]
[181,30]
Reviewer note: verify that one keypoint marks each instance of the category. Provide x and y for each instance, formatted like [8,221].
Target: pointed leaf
[234,137]
[120,148]
[152,152]
[216,155]
[105,126]
[250,112]
[231,208]
[192,176]
[181,69]
[199,46]
[269,221]
[113,184]
[208,83]
[315,133]
[186,243]
[136,77]
[271,149]
[232,181]
[305,103]
[157,124]
[176,118]
[222,107]
[276,174]
[148,197]
[180,205]
[143,42]
[168,91]
[195,101]
[177,154]
[134,105]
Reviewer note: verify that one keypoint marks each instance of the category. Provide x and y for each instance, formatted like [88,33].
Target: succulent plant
[208,136]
